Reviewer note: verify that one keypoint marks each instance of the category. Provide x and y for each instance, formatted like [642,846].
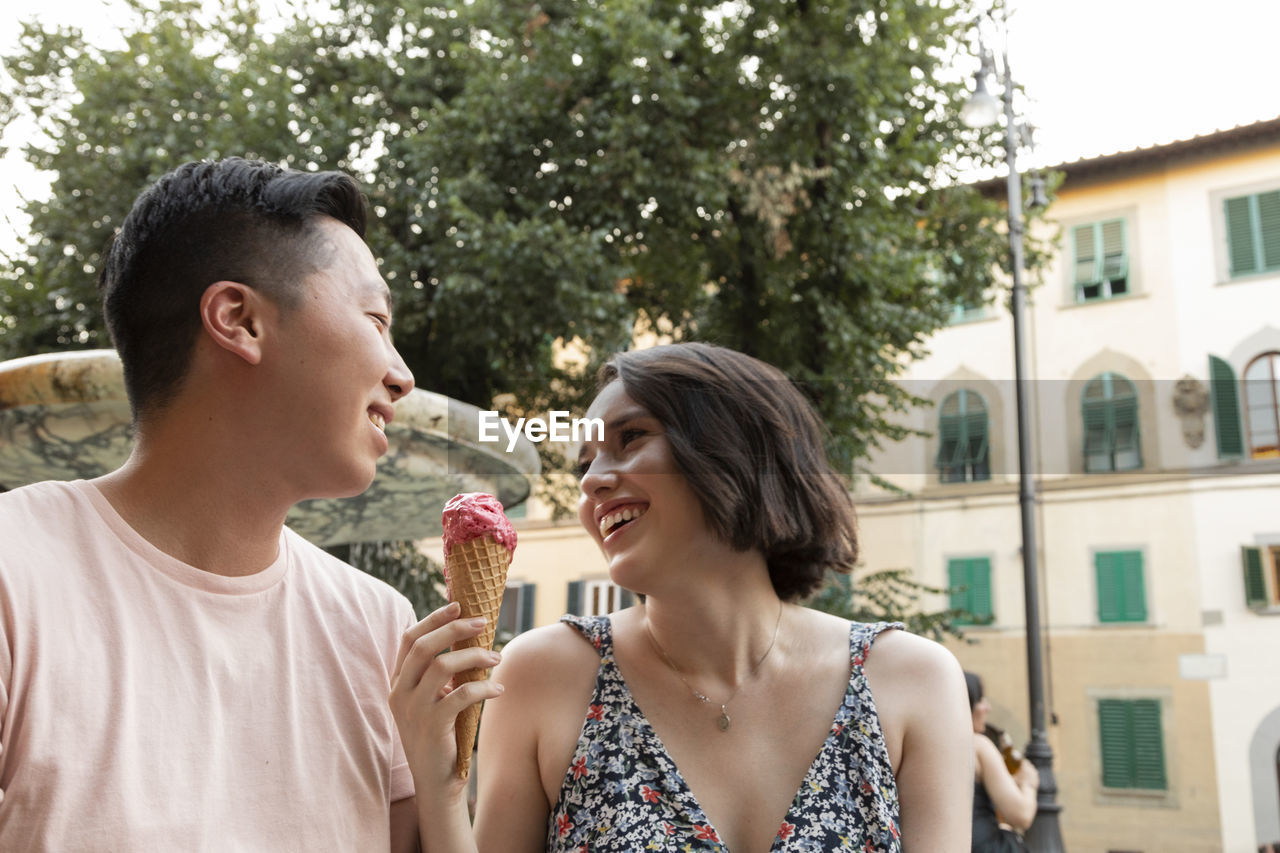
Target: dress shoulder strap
[596,630]
[862,635]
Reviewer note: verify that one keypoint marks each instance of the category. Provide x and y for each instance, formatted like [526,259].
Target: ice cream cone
[477,571]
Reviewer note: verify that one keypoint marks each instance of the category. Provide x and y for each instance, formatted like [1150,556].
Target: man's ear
[233,317]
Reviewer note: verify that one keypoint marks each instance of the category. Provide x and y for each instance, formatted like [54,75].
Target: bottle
[1012,757]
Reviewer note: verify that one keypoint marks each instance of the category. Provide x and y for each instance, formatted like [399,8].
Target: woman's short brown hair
[751,447]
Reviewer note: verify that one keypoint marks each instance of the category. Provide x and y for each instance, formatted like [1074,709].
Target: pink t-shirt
[148,705]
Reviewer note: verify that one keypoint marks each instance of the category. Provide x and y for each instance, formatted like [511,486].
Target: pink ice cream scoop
[473,515]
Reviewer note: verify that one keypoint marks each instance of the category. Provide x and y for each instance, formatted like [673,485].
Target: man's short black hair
[751,447]
[229,220]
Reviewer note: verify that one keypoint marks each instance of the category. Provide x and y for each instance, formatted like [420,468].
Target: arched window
[1262,405]
[1110,411]
[963,449]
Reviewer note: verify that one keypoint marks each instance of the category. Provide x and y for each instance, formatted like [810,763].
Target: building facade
[1154,365]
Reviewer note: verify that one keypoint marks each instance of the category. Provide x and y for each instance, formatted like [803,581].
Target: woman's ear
[232,315]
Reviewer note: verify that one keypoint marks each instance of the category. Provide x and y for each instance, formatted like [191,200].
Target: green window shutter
[1122,595]
[1125,442]
[1086,253]
[982,588]
[1132,741]
[970,584]
[1115,263]
[1148,745]
[1099,424]
[1269,228]
[1121,588]
[1133,587]
[1255,585]
[1114,726]
[1226,408]
[975,428]
[574,605]
[950,441]
[528,594]
[1128,437]
[1110,588]
[1124,420]
[1241,247]
[959,584]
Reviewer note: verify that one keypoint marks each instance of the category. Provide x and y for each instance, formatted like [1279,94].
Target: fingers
[436,619]
[467,694]
[427,651]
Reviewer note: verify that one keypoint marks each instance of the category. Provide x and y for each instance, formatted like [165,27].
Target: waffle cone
[477,572]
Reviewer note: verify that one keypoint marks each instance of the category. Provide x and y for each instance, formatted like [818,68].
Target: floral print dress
[623,793]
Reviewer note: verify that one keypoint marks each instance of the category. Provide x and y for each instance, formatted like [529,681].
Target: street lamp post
[1045,835]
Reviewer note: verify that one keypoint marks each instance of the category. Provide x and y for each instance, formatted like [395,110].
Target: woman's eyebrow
[626,417]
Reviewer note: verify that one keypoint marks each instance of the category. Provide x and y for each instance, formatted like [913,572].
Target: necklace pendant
[724,721]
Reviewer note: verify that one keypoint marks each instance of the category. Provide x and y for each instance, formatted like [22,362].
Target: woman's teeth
[615,518]
[378,421]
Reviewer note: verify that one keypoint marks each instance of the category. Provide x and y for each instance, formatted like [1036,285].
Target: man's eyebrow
[380,288]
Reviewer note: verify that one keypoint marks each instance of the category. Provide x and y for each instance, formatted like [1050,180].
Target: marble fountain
[65,416]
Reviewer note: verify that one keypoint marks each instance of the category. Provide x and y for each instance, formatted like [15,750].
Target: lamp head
[982,109]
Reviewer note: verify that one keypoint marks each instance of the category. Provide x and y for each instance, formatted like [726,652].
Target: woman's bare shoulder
[913,679]
[547,654]
[910,656]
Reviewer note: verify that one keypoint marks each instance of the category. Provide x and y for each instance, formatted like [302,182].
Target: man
[178,670]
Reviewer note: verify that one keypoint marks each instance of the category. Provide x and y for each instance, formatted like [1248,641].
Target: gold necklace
[725,720]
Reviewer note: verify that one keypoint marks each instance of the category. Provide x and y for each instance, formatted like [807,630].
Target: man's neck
[206,518]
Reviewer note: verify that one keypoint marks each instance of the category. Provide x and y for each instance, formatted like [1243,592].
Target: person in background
[719,713]
[999,797]
[178,669]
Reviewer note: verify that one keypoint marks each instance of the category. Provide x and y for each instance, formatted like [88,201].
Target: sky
[1100,76]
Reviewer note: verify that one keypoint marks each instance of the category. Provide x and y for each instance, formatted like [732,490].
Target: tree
[771,176]
[186,85]
[776,176]
[402,565]
[889,595]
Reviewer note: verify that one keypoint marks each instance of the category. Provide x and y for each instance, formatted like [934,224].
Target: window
[516,615]
[965,313]
[1121,593]
[1101,260]
[597,597]
[1253,233]
[1110,410]
[1261,575]
[970,583]
[963,452]
[1132,741]
[1262,405]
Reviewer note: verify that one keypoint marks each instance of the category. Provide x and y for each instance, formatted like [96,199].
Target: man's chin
[350,487]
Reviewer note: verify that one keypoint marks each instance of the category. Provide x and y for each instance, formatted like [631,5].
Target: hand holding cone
[478,544]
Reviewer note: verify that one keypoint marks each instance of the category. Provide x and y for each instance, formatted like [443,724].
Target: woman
[692,720]
[998,796]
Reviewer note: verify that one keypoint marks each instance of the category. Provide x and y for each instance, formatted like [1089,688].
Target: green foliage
[776,176]
[187,85]
[403,566]
[890,595]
